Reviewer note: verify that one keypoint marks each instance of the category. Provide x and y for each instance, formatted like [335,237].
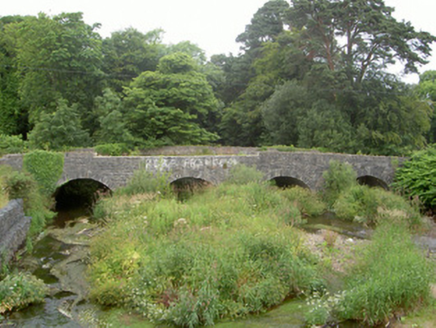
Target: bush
[144,181]
[11,144]
[241,174]
[391,276]
[305,200]
[417,177]
[115,149]
[20,290]
[371,205]
[337,179]
[23,185]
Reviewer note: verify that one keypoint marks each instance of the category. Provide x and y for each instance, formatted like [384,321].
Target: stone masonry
[307,167]
[13,229]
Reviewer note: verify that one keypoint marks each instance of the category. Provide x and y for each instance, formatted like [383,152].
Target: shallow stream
[59,259]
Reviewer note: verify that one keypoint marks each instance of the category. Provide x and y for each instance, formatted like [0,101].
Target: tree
[281,113]
[128,53]
[175,103]
[13,119]
[267,23]
[426,91]
[58,57]
[358,36]
[59,130]
[110,116]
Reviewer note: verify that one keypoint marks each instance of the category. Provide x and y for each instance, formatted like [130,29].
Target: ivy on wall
[46,167]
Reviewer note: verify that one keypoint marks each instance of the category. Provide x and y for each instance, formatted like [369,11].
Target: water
[48,252]
[62,249]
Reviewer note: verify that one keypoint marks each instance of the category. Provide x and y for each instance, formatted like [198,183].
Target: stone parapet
[13,229]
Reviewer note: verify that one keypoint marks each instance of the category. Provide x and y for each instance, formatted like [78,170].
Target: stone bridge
[293,168]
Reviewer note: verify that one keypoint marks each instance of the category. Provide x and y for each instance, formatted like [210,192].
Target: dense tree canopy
[174,103]
[310,73]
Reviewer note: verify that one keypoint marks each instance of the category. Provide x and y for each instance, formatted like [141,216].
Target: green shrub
[20,290]
[417,177]
[338,178]
[144,181]
[46,167]
[391,276]
[11,144]
[372,205]
[23,185]
[305,200]
[116,149]
[242,174]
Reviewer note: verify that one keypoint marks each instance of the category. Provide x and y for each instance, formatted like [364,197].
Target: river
[59,259]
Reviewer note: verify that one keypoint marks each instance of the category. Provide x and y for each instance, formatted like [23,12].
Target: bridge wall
[307,167]
[13,229]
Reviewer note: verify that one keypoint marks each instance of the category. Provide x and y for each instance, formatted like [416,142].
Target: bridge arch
[286,182]
[372,181]
[287,178]
[82,192]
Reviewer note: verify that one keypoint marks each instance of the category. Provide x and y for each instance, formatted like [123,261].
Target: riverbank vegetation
[35,184]
[64,85]
[416,178]
[19,290]
[237,249]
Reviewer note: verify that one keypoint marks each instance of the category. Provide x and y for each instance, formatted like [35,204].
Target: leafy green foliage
[241,174]
[23,185]
[144,181]
[307,202]
[226,252]
[51,54]
[174,103]
[339,178]
[11,144]
[60,130]
[374,205]
[115,149]
[383,282]
[46,167]
[18,291]
[128,53]
[390,275]
[417,178]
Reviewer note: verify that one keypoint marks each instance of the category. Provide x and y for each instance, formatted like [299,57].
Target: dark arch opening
[79,195]
[371,181]
[288,182]
[184,188]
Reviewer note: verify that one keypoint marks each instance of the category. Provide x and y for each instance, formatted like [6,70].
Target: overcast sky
[211,24]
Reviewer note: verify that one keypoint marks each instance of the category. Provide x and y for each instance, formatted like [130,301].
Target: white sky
[211,24]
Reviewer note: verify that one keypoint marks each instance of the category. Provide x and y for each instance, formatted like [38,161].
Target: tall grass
[391,275]
[224,253]
[373,205]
